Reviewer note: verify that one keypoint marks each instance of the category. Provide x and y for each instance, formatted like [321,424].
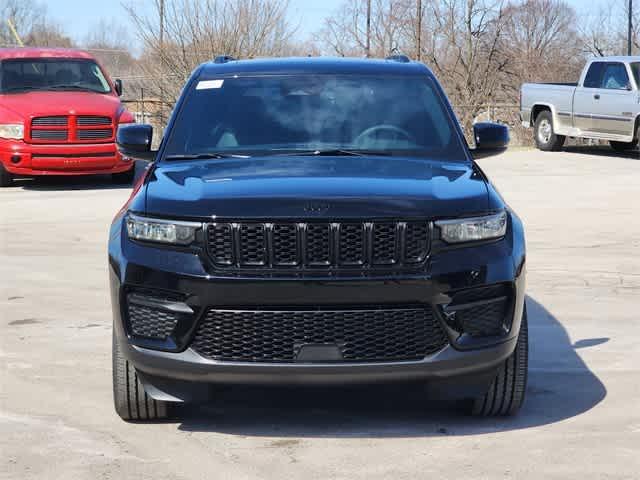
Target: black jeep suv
[315,221]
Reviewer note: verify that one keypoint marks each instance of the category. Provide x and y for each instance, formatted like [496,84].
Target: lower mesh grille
[484,320]
[150,322]
[370,334]
[148,315]
[481,311]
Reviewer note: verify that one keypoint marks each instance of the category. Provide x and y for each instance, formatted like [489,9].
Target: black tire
[129,398]
[544,136]
[507,391]
[6,179]
[624,146]
[124,178]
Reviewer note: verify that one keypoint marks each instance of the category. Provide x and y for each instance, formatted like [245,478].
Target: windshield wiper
[22,88]
[72,87]
[333,152]
[203,156]
[48,88]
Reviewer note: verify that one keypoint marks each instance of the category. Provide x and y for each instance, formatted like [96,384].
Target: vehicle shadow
[560,386]
[602,151]
[79,182]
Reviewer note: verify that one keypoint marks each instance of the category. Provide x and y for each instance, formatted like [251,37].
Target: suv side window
[615,77]
[592,80]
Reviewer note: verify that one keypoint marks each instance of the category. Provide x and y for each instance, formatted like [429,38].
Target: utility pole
[419,32]
[161,46]
[630,33]
[368,47]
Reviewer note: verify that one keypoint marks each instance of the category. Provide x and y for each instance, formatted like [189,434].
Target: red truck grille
[49,122]
[72,129]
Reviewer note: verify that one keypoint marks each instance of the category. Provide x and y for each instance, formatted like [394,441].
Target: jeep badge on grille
[316,208]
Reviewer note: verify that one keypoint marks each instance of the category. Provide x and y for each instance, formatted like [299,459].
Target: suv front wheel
[507,391]
[130,399]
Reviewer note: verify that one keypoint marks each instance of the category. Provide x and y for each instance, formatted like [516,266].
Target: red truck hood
[37,104]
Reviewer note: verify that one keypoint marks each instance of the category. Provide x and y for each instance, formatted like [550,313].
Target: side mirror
[118,86]
[134,140]
[491,139]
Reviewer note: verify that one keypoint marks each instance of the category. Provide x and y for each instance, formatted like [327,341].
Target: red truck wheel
[124,178]
[6,179]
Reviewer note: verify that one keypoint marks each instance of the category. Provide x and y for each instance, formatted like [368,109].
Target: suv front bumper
[176,372]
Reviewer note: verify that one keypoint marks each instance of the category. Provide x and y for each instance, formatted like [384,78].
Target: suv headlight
[161,231]
[13,131]
[473,229]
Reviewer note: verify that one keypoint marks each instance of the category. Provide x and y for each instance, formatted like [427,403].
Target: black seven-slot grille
[364,334]
[346,245]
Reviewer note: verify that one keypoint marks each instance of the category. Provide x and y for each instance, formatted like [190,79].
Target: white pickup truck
[604,105]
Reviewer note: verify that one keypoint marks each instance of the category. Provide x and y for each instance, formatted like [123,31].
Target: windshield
[23,75]
[635,68]
[278,115]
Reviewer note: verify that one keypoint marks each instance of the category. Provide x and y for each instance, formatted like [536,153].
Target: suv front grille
[316,246]
[366,334]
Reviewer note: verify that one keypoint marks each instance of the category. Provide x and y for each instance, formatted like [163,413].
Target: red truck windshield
[22,75]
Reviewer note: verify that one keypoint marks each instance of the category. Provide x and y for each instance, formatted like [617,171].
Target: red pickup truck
[59,112]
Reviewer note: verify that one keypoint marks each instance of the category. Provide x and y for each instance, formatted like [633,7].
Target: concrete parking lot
[581,419]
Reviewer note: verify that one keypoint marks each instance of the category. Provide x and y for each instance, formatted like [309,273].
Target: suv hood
[41,104]
[315,187]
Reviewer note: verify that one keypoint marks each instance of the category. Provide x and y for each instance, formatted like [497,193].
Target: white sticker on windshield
[209,84]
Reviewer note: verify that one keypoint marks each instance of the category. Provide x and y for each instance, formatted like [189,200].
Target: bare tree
[605,31]
[195,31]
[109,42]
[466,53]
[24,14]
[345,32]
[47,34]
[459,39]
[32,24]
[542,42]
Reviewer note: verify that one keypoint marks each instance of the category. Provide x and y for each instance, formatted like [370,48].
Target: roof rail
[223,59]
[399,58]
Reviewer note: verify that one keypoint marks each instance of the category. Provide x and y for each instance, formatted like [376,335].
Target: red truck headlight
[12,131]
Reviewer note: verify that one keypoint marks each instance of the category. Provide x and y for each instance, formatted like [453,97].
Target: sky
[78,16]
